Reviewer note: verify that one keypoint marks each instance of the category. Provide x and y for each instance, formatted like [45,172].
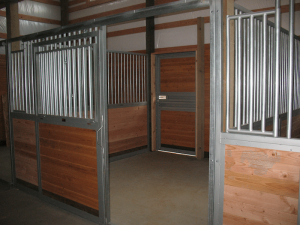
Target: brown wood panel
[69,163]
[178,128]
[25,150]
[261,186]
[127,128]
[177,74]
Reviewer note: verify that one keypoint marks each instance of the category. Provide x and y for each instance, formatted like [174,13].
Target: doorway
[176,102]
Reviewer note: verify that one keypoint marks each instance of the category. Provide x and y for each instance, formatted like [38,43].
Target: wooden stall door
[175,76]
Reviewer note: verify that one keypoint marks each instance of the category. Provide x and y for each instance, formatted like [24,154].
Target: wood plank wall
[177,74]
[3,90]
[178,128]
[69,163]
[127,128]
[261,186]
[25,151]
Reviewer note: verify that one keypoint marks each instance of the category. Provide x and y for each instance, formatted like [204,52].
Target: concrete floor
[159,189]
[149,189]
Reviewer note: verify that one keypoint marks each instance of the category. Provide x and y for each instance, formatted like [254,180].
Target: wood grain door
[176,103]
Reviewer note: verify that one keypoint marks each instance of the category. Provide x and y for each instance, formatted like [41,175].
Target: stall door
[176,103]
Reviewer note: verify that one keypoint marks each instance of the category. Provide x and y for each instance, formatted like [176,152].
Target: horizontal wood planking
[261,186]
[177,74]
[25,150]
[3,90]
[69,163]
[127,128]
[178,128]
[34,18]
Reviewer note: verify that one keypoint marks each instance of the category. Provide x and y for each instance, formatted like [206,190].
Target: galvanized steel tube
[74,78]
[251,74]
[91,89]
[239,72]
[84,74]
[291,71]
[227,73]
[277,54]
[69,64]
[264,75]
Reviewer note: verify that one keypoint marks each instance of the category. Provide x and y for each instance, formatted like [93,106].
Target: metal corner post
[9,90]
[102,130]
[216,152]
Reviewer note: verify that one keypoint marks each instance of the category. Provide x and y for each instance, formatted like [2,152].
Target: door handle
[162,97]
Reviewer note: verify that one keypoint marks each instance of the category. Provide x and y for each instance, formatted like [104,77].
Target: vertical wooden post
[228,10]
[199,148]
[12,24]
[153,104]
[64,9]
[150,47]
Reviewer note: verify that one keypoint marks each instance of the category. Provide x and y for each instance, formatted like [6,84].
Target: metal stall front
[60,86]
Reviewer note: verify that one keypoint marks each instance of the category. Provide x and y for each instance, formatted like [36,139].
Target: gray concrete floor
[149,189]
[159,189]
[5,168]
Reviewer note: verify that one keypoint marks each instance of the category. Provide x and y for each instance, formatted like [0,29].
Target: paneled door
[176,102]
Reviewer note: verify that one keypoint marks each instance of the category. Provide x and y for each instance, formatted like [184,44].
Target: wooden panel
[261,186]
[178,128]
[69,163]
[25,150]
[177,74]
[200,96]
[127,128]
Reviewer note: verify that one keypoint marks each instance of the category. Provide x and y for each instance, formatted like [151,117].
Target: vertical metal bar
[10,68]
[65,95]
[74,76]
[251,74]
[291,71]
[51,73]
[264,75]
[277,54]
[26,79]
[84,74]
[70,100]
[108,78]
[127,89]
[121,78]
[47,82]
[19,82]
[91,96]
[227,72]
[60,82]
[254,67]
[79,61]
[139,79]
[111,78]
[130,80]
[244,48]
[239,72]
[142,76]
[136,74]
[115,77]
[236,68]
[55,80]
[248,71]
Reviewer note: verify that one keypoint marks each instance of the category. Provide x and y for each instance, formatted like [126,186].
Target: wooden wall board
[178,128]
[69,163]
[25,151]
[261,186]
[177,74]
[127,128]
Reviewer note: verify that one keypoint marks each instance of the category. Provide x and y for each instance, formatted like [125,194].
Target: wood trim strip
[108,13]
[49,2]
[126,31]
[34,18]
[3,35]
[75,2]
[188,48]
